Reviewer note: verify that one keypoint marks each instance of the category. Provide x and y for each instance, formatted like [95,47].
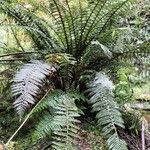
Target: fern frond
[75,30]
[27,83]
[101,16]
[108,115]
[45,127]
[66,115]
[34,26]
[61,19]
[62,123]
[50,101]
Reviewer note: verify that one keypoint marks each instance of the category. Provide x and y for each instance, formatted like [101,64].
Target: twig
[28,116]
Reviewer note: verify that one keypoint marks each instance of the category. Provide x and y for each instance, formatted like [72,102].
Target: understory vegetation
[74,74]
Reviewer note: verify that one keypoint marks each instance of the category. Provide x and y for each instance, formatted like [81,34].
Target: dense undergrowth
[74,74]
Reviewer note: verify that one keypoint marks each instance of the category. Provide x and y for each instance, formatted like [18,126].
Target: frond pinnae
[66,114]
[108,115]
[27,83]
[62,123]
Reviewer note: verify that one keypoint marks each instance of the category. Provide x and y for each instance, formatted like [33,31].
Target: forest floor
[90,138]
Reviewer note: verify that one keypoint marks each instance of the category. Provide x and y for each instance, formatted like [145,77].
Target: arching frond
[61,123]
[55,96]
[27,83]
[65,28]
[108,115]
[35,27]
[48,102]
[66,114]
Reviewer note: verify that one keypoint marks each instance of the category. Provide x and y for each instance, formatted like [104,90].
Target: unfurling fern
[61,123]
[108,115]
[27,83]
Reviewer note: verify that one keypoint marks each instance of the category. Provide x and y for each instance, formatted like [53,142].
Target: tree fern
[73,30]
[67,34]
[62,123]
[108,115]
[27,83]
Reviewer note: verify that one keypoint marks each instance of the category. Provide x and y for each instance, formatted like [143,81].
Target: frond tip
[27,83]
[108,115]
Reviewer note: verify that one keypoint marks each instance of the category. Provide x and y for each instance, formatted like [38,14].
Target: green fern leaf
[108,115]
[62,124]
[45,127]
[66,115]
[49,102]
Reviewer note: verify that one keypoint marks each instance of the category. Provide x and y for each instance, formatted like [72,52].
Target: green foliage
[141,91]
[61,123]
[54,97]
[66,63]
[65,30]
[45,127]
[133,38]
[65,117]
[108,115]
[123,90]
[50,101]
[79,40]
[132,121]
